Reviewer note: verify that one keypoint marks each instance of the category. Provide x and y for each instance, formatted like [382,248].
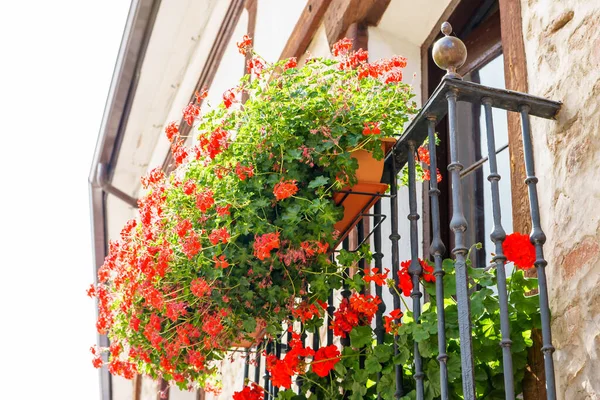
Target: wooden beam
[515,76]
[137,387]
[305,28]
[213,60]
[341,14]
[484,44]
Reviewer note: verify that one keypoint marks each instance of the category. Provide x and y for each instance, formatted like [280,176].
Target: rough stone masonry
[562,44]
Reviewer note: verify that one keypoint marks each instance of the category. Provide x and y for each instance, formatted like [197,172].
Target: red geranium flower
[244,45]
[390,321]
[325,360]
[254,393]
[291,63]
[379,279]
[190,112]
[264,244]
[371,128]
[285,189]
[518,249]
[172,130]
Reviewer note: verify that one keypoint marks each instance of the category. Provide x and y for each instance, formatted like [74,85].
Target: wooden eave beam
[341,14]
[305,28]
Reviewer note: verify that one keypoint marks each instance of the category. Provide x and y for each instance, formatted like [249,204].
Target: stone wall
[562,40]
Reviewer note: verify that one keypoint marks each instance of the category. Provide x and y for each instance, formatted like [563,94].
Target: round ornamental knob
[449,52]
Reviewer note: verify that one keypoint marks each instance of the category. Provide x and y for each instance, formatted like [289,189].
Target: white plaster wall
[275,21]
[185,86]
[562,44]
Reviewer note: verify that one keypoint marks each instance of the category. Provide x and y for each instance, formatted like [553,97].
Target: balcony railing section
[442,103]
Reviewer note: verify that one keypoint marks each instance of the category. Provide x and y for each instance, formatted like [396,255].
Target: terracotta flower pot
[369,175]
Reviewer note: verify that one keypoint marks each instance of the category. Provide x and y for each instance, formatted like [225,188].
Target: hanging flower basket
[236,241]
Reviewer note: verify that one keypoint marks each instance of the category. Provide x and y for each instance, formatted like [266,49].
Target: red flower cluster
[389,71]
[223,211]
[371,128]
[191,246]
[292,363]
[405,278]
[200,287]
[424,157]
[244,172]
[201,96]
[325,360]
[305,312]
[244,45]
[427,175]
[154,176]
[255,66]
[359,310]
[315,247]
[341,47]
[290,63]
[228,98]
[179,151]
[353,59]
[220,262]
[379,279]
[390,321]
[254,393]
[190,113]
[205,200]
[219,235]
[285,189]
[211,145]
[263,245]
[518,249]
[172,131]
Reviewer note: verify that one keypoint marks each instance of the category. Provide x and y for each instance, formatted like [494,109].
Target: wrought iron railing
[443,103]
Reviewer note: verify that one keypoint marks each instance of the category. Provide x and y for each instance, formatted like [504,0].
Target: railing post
[415,270]
[458,224]
[395,238]
[538,238]
[498,235]
[378,256]
[437,250]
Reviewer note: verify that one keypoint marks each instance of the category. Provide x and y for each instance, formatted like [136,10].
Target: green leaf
[382,352]
[318,181]
[361,336]
[372,365]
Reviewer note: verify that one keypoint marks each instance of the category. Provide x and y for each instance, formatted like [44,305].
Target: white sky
[57,59]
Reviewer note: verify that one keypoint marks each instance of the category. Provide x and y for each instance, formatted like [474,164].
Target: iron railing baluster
[395,238]
[538,238]
[415,270]
[360,237]
[498,235]
[266,376]
[257,367]
[458,224]
[437,250]
[378,256]
[345,289]
[246,365]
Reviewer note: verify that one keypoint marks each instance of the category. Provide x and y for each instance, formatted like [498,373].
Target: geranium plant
[239,236]
[237,242]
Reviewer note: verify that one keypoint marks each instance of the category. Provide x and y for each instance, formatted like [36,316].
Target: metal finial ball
[446,28]
[449,52]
